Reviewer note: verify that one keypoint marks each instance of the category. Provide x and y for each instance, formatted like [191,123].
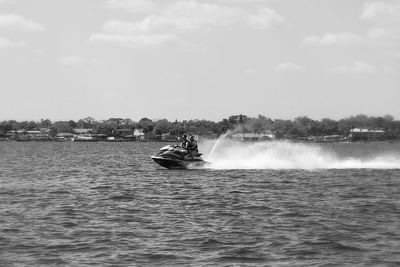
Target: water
[108,204]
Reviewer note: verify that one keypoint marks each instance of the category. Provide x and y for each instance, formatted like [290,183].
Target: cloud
[386,17]
[169,20]
[377,33]
[265,18]
[388,35]
[7,43]
[120,27]
[381,10]
[17,22]
[289,67]
[130,40]
[192,15]
[356,67]
[238,1]
[133,6]
[75,61]
[328,39]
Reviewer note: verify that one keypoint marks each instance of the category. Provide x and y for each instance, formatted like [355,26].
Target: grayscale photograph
[199,133]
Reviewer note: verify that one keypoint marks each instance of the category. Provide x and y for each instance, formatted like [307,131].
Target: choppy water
[108,204]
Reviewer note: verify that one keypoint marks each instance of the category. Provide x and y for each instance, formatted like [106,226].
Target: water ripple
[101,204]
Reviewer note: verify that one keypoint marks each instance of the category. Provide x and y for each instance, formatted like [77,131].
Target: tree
[223,126]
[360,121]
[162,126]
[259,124]
[28,125]
[114,122]
[303,126]
[146,124]
[282,127]
[45,123]
[128,123]
[237,119]
[328,127]
[5,127]
[63,127]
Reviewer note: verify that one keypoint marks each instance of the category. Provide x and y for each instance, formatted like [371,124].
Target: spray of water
[214,147]
[230,154]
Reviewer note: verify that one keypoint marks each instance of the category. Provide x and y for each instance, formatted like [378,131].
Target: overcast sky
[198,59]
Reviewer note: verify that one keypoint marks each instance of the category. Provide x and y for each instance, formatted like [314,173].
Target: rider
[184,140]
[192,147]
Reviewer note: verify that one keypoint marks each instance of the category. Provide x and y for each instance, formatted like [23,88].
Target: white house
[366,134]
[138,133]
[265,135]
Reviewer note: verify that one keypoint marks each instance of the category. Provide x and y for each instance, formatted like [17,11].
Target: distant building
[80,131]
[65,136]
[362,134]
[138,133]
[31,135]
[83,135]
[333,138]
[266,135]
[45,130]
[84,138]
[124,134]
[327,138]
[100,137]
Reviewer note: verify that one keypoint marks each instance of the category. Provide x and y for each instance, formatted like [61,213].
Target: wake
[229,154]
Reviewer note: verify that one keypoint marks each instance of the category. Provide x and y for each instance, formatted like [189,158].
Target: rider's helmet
[191,138]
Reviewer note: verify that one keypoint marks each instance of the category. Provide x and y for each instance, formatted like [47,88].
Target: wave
[226,153]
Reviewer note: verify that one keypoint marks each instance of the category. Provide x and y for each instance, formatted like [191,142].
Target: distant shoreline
[354,128]
[3,140]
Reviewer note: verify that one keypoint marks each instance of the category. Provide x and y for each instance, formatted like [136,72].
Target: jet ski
[176,157]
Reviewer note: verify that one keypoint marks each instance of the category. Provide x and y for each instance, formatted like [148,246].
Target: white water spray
[215,146]
[230,154]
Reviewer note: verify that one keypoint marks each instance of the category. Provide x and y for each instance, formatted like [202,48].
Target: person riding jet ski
[192,147]
[185,141]
[183,156]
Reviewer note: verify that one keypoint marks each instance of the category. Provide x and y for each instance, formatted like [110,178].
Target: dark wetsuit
[192,148]
[184,143]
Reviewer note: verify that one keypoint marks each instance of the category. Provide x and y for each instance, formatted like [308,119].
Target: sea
[274,203]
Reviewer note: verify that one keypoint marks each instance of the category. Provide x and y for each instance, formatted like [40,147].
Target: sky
[198,59]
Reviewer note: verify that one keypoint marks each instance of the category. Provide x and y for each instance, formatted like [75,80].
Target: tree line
[299,127]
